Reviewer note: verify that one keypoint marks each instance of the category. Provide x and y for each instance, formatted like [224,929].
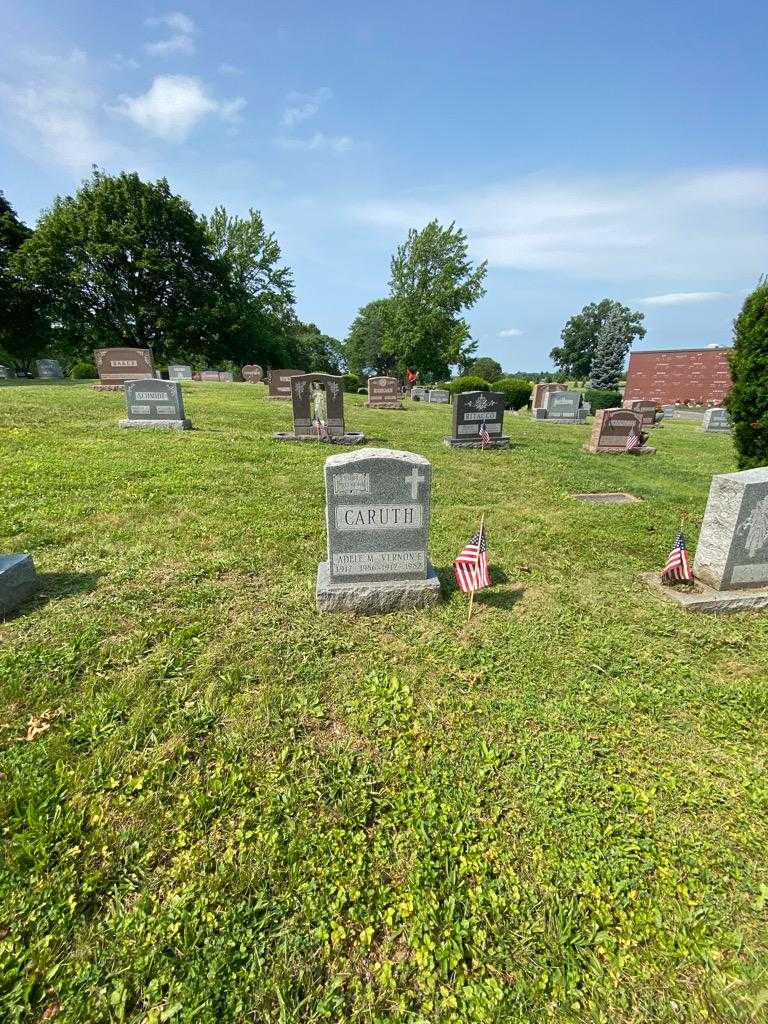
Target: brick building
[700,375]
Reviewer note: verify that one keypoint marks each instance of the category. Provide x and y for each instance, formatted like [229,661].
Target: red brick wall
[699,374]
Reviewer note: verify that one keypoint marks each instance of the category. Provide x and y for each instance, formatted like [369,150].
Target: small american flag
[471,565]
[485,437]
[635,440]
[678,567]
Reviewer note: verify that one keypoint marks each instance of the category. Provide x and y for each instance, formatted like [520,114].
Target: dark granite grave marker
[471,411]
[384,393]
[280,383]
[179,371]
[252,373]
[155,403]
[49,369]
[611,430]
[117,365]
[318,410]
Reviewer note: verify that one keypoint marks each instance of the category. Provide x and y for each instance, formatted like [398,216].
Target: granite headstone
[49,369]
[318,410]
[733,543]
[117,365]
[562,407]
[646,408]
[5,373]
[253,374]
[280,383]
[471,411]
[18,581]
[611,430]
[716,421]
[439,396]
[384,393]
[540,392]
[179,371]
[155,403]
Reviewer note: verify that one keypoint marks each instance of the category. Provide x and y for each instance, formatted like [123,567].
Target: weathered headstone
[418,393]
[155,403]
[117,365]
[318,410]
[647,410]
[471,411]
[716,421]
[610,432]
[217,376]
[179,371]
[730,568]
[669,411]
[439,396]
[5,373]
[18,581]
[49,369]
[540,392]
[377,520]
[562,407]
[384,393]
[252,373]
[280,383]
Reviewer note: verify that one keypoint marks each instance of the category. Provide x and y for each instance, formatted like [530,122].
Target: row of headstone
[436,396]
[560,406]
[317,403]
[217,376]
[475,414]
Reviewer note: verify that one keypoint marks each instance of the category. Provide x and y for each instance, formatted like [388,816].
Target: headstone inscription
[377,520]
[49,369]
[540,392]
[562,407]
[118,365]
[473,411]
[18,581]
[280,383]
[318,410]
[384,393]
[439,396]
[646,409]
[155,403]
[716,421]
[611,431]
[179,371]
[252,373]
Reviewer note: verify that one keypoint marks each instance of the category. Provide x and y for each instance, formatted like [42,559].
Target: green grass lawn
[243,811]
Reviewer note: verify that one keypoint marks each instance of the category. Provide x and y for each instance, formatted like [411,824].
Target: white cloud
[318,141]
[684,225]
[119,62]
[173,105]
[304,105]
[229,69]
[682,298]
[180,41]
[511,332]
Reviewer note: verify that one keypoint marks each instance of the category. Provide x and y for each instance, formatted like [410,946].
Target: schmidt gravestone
[377,520]
[473,410]
[155,403]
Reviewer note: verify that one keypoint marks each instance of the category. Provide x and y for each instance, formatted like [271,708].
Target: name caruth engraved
[362,563]
[378,517]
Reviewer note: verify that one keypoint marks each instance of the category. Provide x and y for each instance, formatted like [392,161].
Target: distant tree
[368,345]
[610,352]
[486,368]
[581,332]
[432,281]
[24,329]
[748,399]
[127,262]
[311,350]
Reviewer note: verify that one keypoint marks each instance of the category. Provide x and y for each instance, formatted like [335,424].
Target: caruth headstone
[440,396]
[117,365]
[217,376]
[280,383]
[562,407]
[610,431]
[252,373]
[540,392]
[179,371]
[318,410]
[646,409]
[49,369]
[471,411]
[716,421]
[18,581]
[384,393]
[155,403]
[377,520]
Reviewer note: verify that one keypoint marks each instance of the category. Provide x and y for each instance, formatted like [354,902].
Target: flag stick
[477,560]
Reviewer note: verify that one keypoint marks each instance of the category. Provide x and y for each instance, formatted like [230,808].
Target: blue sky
[588,149]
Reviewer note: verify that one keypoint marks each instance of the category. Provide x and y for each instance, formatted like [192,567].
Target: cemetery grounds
[218,805]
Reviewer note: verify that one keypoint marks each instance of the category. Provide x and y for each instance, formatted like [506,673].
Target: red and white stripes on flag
[635,440]
[321,430]
[471,565]
[485,437]
[678,567]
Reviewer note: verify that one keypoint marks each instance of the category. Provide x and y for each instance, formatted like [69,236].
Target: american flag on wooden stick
[678,567]
[485,437]
[471,565]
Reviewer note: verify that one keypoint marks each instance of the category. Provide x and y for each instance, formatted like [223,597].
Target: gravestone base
[107,387]
[473,442]
[157,424]
[384,405]
[369,598]
[347,438]
[701,598]
[18,581]
[645,450]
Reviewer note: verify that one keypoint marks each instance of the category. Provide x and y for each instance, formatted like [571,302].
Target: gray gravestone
[384,393]
[377,520]
[563,407]
[716,421]
[440,396]
[540,392]
[18,581]
[280,383]
[5,373]
[155,403]
[179,371]
[418,393]
[472,410]
[733,544]
[217,376]
[49,369]
[252,373]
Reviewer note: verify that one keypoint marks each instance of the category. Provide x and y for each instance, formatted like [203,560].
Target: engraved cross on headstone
[414,479]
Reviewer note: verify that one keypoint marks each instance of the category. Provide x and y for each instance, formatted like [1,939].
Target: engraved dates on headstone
[155,403]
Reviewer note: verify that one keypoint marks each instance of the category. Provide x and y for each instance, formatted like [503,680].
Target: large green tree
[610,352]
[485,367]
[432,281]
[368,348]
[24,328]
[127,262]
[311,350]
[580,335]
[748,399]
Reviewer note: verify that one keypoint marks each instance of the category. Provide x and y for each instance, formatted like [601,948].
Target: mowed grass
[243,811]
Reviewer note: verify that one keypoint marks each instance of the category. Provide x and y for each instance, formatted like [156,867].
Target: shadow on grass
[55,586]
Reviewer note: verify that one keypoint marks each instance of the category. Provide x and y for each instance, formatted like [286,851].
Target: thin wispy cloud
[119,62]
[174,105]
[230,69]
[318,141]
[302,106]
[682,298]
[180,41]
[511,332]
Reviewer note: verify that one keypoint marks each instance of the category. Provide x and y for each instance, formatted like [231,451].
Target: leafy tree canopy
[24,331]
[485,367]
[580,335]
[610,351]
[368,348]
[748,399]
